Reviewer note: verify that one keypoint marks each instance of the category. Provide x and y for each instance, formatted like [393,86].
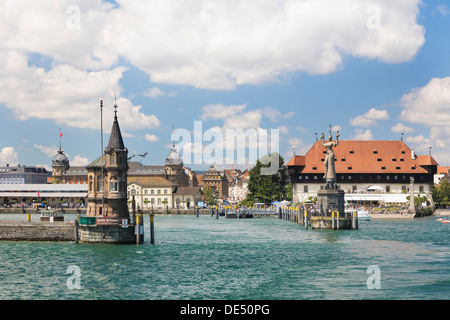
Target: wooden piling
[337,220]
[76,230]
[152,229]
[332,220]
[306,220]
[138,233]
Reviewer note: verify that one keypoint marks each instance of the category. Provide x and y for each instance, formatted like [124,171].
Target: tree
[265,188]
[209,195]
[441,193]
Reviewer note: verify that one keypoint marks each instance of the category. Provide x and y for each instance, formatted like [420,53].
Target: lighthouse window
[112,159]
[100,184]
[113,186]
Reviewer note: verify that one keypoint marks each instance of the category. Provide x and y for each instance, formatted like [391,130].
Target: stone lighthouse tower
[107,178]
[107,217]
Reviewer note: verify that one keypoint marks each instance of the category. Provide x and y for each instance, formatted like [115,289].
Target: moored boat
[363,215]
[49,215]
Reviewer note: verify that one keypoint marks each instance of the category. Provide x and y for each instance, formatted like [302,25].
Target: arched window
[100,184]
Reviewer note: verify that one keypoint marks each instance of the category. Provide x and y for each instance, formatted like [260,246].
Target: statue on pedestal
[330,171]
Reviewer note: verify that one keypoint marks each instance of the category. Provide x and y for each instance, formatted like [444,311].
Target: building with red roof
[374,171]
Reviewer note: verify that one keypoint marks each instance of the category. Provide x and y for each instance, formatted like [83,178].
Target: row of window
[354,188]
[158,201]
[114,186]
[373,151]
[377,177]
[152,191]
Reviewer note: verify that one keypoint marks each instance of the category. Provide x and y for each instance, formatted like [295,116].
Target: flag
[38,193]
[60,133]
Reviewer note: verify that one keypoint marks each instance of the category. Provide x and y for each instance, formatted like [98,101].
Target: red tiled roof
[443,170]
[296,161]
[426,161]
[356,156]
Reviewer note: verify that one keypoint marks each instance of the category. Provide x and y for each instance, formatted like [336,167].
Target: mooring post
[352,216]
[196,211]
[133,207]
[138,233]
[28,217]
[152,230]
[306,219]
[76,230]
[332,220]
[217,213]
[337,220]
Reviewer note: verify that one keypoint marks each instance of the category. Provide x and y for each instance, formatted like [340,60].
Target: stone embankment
[37,231]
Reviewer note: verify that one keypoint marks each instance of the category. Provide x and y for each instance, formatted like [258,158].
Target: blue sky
[372,69]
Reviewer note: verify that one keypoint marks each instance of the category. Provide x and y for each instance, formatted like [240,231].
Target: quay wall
[107,234]
[38,210]
[37,231]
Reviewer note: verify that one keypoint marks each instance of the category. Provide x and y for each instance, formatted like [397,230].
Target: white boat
[440,219]
[363,215]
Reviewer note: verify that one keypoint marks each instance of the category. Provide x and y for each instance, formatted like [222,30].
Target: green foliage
[441,193]
[267,188]
[209,195]
[418,200]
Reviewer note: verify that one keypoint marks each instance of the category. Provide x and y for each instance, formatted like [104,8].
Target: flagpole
[103,173]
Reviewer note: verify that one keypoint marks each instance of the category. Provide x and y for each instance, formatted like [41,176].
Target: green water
[241,259]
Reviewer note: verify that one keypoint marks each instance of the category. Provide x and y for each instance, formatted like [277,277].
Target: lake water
[240,259]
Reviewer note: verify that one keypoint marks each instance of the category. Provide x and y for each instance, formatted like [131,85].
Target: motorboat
[363,215]
[445,221]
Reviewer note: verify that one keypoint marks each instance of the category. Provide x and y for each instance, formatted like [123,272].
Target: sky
[189,72]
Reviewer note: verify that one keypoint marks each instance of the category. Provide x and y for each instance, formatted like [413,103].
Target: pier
[60,231]
[314,220]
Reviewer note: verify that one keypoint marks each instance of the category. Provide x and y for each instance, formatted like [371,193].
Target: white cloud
[156,92]
[275,115]
[8,155]
[370,118]
[288,115]
[224,45]
[245,120]
[215,45]
[65,94]
[428,105]
[401,128]
[151,138]
[443,9]
[79,161]
[283,129]
[233,116]
[363,135]
[49,151]
[220,111]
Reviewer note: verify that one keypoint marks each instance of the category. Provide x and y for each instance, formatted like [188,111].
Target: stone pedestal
[332,199]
